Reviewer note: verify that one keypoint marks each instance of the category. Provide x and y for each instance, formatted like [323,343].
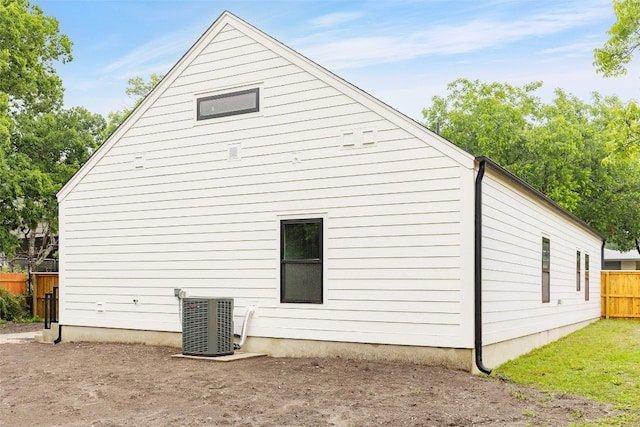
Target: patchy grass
[35,319]
[601,362]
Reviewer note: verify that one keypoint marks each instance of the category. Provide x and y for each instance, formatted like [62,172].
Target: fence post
[607,290]
[54,305]
[34,292]
[47,308]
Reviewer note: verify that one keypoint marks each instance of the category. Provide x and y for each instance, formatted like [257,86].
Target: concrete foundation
[277,347]
[126,336]
[455,358]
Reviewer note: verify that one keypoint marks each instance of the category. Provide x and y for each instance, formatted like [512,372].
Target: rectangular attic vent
[207,326]
[229,104]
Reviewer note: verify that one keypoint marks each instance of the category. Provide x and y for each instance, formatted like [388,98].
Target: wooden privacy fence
[16,283]
[43,283]
[620,294]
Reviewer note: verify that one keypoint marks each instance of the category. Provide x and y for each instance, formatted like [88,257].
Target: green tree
[485,117]
[30,45]
[623,131]
[9,191]
[611,60]
[558,148]
[616,54]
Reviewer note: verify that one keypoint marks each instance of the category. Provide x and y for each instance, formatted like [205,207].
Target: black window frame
[546,270]
[317,261]
[200,116]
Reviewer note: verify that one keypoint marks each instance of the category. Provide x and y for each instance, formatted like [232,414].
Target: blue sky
[403,52]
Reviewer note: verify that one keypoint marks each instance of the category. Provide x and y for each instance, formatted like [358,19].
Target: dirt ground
[89,384]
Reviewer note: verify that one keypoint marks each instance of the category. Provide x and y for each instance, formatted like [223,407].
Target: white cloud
[151,57]
[334,19]
[444,39]
[574,49]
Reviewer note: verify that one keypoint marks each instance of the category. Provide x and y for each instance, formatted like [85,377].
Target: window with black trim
[229,104]
[301,260]
[546,269]
[586,277]
[578,271]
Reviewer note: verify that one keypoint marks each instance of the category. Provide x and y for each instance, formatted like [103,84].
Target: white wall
[513,227]
[398,214]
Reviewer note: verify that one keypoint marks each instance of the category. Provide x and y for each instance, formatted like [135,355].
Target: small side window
[546,270]
[586,277]
[229,104]
[578,271]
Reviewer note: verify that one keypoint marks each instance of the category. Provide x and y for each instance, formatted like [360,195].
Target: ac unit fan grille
[207,326]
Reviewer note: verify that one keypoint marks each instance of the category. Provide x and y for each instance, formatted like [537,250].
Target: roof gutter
[478,268]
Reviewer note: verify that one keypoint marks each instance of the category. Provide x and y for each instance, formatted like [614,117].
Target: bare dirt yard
[89,384]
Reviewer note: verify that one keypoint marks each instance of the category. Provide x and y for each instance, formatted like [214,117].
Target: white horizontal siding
[180,177]
[231,189]
[158,286]
[193,220]
[513,226]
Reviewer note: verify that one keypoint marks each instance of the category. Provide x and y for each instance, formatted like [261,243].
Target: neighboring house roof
[612,255]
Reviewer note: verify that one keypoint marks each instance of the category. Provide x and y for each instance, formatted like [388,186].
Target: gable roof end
[227,18]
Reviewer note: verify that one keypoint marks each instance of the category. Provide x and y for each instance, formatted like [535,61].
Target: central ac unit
[207,326]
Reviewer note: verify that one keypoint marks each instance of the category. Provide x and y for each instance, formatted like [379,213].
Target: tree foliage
[30,44]
[559,148]
[9,191]
[41,145]
[611,60]
[616,54]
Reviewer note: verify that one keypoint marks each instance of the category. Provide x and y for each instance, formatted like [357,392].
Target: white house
[253,173]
